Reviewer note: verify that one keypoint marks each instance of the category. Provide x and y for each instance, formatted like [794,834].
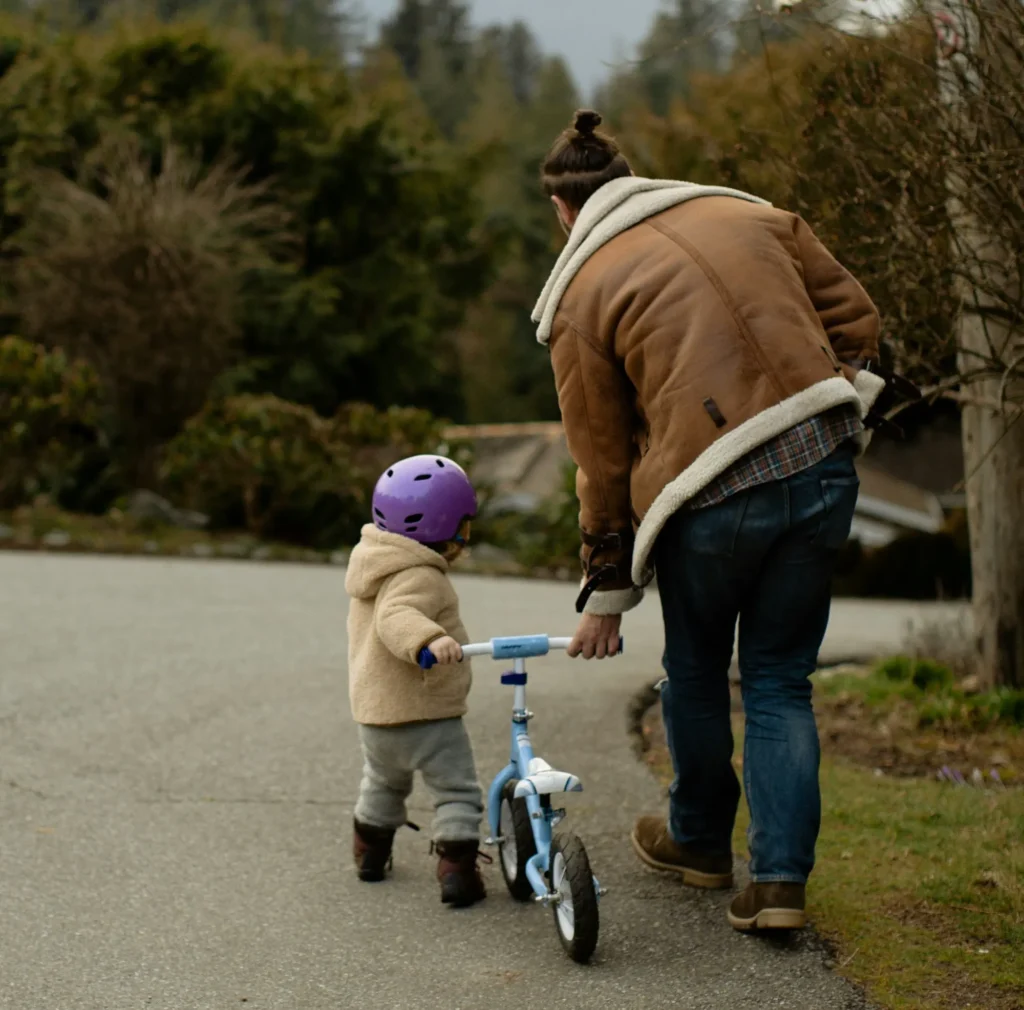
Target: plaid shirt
[794,450]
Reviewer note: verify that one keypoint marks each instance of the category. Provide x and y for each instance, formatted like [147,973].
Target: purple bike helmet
[424,498]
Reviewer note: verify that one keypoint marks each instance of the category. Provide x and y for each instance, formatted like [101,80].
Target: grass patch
[931,690]
[920,884]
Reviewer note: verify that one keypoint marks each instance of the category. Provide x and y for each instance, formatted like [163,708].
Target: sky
[590,34]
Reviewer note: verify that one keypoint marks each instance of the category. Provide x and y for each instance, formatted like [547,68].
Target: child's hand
[446,650]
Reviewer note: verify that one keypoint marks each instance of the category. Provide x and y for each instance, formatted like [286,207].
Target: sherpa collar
[614,208]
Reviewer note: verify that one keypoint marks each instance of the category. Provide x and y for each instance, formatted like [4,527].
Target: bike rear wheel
[517,846]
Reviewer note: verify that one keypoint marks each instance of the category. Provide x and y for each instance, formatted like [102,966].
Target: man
[711,359]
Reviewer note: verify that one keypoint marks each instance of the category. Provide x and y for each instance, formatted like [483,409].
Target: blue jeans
[764,556]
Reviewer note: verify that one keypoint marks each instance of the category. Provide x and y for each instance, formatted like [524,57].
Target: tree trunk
[994,466]
[993,425]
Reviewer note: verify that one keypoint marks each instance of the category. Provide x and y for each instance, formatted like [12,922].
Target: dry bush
[924,123]
[138,267]
[949,642]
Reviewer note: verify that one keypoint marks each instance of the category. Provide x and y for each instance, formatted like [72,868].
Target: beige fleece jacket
[401,600]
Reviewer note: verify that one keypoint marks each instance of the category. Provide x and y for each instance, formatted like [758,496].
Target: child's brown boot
[458,873]
[371,849]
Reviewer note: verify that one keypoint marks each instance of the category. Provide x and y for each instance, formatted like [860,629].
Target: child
[410,719]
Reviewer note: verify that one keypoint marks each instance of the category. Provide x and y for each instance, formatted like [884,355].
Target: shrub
[896,668]
[377,438]
[1001,707]
[285,472]
[391,250]
[143,280]
[257,455]
[925,674]
[930,690]
[49,416]
[928,675]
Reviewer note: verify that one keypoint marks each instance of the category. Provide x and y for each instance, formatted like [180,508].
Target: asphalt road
[177,770]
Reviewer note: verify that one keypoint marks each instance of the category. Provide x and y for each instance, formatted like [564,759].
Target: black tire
[573,879]
[514,822]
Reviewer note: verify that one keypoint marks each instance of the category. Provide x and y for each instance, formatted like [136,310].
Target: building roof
[524,463]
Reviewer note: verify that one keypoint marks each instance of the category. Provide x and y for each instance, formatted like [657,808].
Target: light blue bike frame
[541,814]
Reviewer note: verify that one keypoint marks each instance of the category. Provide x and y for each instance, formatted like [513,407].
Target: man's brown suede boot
[656,847]
[458,873]
[775,905]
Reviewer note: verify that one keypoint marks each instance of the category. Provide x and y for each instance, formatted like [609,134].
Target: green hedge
[390,246]
[284,472]
[50,410]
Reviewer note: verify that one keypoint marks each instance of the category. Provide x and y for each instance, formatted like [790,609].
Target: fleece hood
[616,207]
[379,555]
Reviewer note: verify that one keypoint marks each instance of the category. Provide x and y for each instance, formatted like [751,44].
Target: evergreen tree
[328,28]
[555,98]
[515,48]
[433,42]
[420,23]
[510,379]
[686,40]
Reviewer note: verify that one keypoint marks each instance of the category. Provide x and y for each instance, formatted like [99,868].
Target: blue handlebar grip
[622,645]
[427,658]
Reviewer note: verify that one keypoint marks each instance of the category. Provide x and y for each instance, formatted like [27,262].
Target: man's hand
[446,650]
[596,636]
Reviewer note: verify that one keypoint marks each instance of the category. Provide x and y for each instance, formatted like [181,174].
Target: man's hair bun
[587,121]
[582,160]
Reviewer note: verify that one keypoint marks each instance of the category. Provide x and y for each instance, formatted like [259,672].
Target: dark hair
[581,161]
[456,545]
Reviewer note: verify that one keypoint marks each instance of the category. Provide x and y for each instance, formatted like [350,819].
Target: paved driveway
[177,769]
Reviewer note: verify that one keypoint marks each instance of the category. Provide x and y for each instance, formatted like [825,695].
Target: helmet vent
[414,518]
[424,476]
[379,513]
[440,463]
[411,529]
[391,473]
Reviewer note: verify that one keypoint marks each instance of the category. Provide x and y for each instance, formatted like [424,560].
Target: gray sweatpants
[441,751]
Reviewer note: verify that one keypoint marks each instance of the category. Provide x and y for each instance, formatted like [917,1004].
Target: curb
[639,704]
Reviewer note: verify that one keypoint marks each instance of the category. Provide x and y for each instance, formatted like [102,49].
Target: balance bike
[553,870]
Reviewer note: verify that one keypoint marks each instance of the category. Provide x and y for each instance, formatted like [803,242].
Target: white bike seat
[542,780]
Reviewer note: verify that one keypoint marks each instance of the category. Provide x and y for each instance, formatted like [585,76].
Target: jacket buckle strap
[605,541]
[604,574]
[898,390]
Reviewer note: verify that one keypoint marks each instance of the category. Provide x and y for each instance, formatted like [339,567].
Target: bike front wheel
[575,911]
